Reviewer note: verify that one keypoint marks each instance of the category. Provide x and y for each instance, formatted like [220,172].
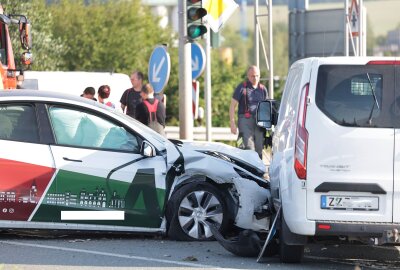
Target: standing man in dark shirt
[247,95]
[131,97]
[151,111]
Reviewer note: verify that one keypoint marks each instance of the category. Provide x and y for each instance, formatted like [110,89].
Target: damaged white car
[69,163]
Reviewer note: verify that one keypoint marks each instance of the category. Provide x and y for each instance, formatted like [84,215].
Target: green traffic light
[196,30]
[195,12]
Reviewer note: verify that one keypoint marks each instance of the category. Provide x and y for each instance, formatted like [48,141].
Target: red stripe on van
[384,62]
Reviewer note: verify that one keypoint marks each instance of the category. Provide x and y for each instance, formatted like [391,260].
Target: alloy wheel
[197,212]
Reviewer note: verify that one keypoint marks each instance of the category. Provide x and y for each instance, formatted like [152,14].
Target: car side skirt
[75,227]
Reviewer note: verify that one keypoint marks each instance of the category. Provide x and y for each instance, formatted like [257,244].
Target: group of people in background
[139,102]
[102,94]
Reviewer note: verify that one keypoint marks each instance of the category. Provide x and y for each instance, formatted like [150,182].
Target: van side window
[290,95]
[81,129]
[353,95]
[18,123]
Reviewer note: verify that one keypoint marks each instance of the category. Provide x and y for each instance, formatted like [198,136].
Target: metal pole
[185,82]
[271,50]
[364,14]
[346,28]
[207,85]
[256,36]
[361,29]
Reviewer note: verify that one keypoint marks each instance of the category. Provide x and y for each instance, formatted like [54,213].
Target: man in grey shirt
[247,95]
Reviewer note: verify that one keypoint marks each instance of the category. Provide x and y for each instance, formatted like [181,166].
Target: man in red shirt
[151,111]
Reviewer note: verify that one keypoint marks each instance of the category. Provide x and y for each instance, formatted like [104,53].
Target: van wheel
[289,253]
[193,209]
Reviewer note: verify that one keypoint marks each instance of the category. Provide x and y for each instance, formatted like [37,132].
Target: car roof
[34,93]
[39,94]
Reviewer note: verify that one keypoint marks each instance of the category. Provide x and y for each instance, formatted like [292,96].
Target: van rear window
[356,96]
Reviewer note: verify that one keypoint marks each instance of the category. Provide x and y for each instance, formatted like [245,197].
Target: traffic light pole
[185,80]
[207,83]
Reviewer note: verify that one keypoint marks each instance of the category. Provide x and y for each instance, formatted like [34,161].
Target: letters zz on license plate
[349,202]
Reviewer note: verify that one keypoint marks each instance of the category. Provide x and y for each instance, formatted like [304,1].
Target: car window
[353,95]
[82,129]
[18,123]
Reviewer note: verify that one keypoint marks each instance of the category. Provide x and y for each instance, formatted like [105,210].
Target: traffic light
[195,12]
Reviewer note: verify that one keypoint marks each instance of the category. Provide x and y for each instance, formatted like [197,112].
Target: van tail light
[301,141]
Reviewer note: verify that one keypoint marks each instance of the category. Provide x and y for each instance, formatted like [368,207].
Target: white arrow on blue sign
[159,68]
[198,60]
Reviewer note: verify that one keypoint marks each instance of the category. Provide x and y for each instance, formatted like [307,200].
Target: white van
[335,169]
[74,82]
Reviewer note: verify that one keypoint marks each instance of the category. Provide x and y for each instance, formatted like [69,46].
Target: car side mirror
[147,149]
[267,114]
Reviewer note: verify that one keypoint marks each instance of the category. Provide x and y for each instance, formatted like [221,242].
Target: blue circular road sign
[159,68]
[198,60]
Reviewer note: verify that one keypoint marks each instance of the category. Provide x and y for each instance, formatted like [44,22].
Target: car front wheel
[194,208]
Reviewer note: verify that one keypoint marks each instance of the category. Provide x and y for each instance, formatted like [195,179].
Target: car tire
[193,208]
[289,253]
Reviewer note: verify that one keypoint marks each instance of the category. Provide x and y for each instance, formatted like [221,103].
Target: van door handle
[74,160]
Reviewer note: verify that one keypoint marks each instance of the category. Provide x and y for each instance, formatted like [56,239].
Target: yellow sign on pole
[218,12]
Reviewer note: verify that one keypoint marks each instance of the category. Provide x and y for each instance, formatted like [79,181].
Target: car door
[102,179]
[26,163]
[351,142]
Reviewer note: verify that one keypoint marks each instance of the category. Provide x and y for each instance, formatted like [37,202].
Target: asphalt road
[133,252]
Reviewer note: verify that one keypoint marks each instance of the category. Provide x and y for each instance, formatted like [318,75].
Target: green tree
[47,49]
[114,36]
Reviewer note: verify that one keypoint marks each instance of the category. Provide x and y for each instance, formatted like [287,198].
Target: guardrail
[199,133]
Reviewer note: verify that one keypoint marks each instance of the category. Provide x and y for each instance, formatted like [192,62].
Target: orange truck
[8,71]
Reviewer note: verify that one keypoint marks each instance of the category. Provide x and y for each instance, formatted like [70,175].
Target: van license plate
[349,202]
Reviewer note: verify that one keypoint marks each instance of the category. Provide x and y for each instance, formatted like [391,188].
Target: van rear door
[351,142]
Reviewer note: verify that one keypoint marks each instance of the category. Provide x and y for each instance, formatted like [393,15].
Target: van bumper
[387,232]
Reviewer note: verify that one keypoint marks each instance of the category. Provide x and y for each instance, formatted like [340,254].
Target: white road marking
[195,64]
[92,215]
[157,69]
[114,255]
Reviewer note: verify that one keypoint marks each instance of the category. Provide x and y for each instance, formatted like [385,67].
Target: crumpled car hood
[249,157]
